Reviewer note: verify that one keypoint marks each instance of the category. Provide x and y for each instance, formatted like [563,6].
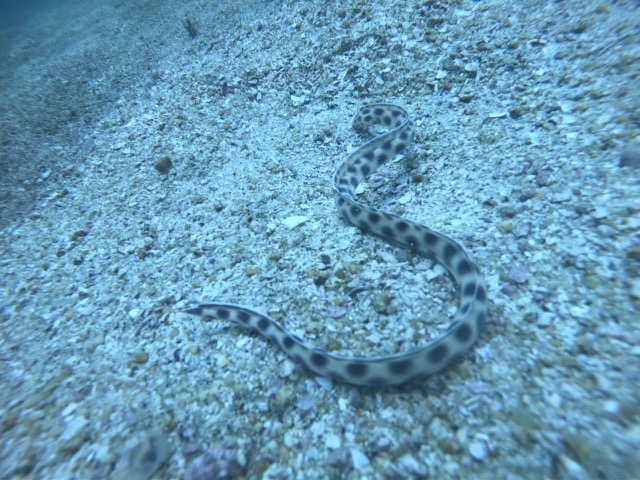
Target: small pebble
[560,197]
[545,319]
[325,383]
[294,221]
[69,409]
[612,406]
[509,290]
[307,403]
[635,288]
[140,357]
[600,213]
[411,465]
[74,427]
[217,463]
[296,100]
[332,441]
[466,95]
[478,450]
[507,225]
[522,229]
[545,177]
[287,368]
[143,456]
[359,459]
[572,469]
[519,275]
[163,165]
[630,156]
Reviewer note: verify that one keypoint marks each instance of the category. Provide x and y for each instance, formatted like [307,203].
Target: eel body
[418,362]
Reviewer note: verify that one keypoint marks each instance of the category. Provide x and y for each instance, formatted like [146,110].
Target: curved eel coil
[402,367]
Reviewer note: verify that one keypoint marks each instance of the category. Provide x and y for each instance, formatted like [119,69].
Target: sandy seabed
[528,123]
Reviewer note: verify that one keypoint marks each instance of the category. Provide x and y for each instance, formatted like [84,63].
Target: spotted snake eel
[418,362]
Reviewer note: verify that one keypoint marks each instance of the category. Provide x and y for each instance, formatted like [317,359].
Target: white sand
[522,115]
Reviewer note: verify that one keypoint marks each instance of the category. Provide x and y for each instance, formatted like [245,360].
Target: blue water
[13,12]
